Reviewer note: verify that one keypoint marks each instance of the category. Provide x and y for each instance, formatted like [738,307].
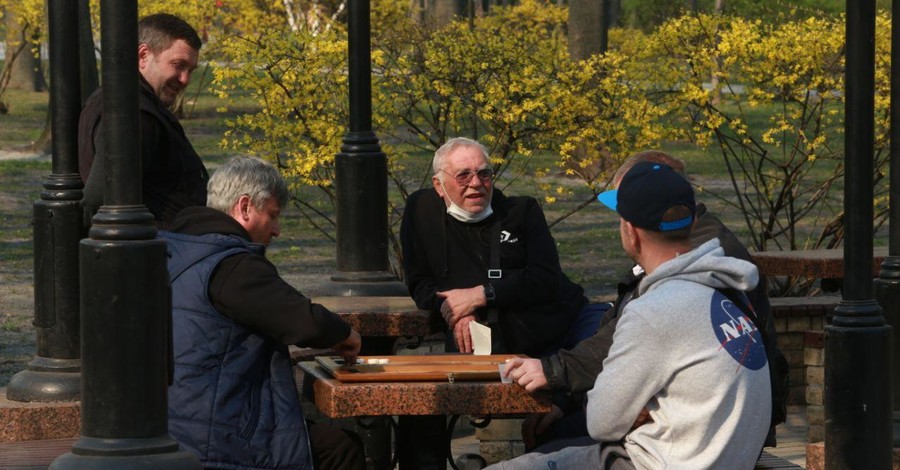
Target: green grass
[25,120]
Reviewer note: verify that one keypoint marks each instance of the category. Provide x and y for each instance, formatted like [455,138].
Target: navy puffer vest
[234,401]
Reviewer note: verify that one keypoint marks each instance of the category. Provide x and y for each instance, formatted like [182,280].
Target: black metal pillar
[125,296]
[887,286]
[55,372]
[88,59]
[361,179]
[858,342]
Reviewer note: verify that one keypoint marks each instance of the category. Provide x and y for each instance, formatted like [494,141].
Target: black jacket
[536,303]
[174,177]
[577,369]
[247,289]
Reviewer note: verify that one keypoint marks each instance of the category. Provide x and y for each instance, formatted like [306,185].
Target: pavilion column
[887,286]
[363,267]
[858,342]
[55,372]
[125,296]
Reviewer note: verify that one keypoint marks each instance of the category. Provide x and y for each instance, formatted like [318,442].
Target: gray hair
[437,164]
[249,176]
[159,31]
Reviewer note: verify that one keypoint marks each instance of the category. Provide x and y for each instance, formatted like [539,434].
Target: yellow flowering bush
[775,112]
[504,79]
[767,96]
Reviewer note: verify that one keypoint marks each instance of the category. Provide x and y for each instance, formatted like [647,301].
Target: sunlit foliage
[774,110]
[504,79]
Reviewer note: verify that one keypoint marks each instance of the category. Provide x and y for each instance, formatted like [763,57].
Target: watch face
[489,292]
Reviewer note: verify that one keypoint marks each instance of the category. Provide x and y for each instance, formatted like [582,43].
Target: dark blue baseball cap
[646,192]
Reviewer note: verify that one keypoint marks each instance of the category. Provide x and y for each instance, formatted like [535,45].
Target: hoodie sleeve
[628,382]
[247,289]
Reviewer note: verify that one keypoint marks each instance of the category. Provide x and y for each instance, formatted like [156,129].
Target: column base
[47,380]
[815,457]
[133,454]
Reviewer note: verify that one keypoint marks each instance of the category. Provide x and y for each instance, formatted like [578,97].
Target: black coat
[174,177]
[536,303]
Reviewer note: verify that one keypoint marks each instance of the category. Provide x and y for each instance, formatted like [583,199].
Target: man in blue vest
[234,402]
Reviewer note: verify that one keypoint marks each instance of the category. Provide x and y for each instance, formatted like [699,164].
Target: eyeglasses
[463,178]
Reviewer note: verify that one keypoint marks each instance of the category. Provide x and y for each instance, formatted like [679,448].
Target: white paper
[481,338]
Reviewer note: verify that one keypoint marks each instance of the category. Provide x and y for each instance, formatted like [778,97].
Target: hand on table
[349,347]
[527,372]
[537,423]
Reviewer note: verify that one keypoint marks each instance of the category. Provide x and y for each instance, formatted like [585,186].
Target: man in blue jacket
[234,402]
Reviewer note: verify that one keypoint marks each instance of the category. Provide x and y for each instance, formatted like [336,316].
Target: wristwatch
[489,293]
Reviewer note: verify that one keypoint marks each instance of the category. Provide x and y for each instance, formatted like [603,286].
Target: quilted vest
[233,402]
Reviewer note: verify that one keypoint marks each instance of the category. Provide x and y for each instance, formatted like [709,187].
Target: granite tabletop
[340,400]
[380,316]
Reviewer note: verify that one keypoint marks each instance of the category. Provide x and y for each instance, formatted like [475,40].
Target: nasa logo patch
[736,333]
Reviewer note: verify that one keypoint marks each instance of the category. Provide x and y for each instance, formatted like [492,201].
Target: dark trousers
[334,448]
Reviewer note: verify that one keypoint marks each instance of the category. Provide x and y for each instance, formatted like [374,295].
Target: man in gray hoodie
[677,389]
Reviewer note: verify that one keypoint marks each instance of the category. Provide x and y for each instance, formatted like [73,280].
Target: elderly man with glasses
[473,254]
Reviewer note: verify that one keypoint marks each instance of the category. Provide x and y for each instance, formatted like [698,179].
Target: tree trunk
[439,13]
[25,72]
[585,28]
[615,12]
[43,145]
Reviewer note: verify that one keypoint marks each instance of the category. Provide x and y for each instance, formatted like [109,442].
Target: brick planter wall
[814,359]
[794,317]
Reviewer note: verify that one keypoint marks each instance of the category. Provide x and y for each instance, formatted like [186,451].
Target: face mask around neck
[463,215]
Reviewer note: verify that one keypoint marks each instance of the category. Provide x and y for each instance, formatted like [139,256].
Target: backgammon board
[431,368]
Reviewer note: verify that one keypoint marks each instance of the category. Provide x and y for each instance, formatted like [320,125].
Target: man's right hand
[349,347]
[527,372]
[536,424]
[463,335]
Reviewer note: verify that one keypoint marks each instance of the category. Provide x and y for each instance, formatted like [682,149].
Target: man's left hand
[537,423]
[460,303]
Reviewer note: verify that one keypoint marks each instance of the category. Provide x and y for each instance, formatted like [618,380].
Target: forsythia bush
[767,96]
[770,98]
[504,79]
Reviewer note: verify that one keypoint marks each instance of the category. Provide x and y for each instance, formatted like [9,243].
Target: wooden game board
[431,368]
